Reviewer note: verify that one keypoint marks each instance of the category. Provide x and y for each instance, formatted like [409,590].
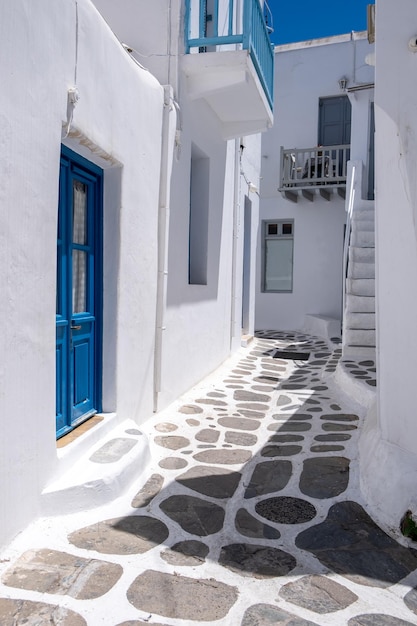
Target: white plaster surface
[304,73]
[388,450]
[322,326]
[118,121]
[205,320]
[113,607]
[119,124]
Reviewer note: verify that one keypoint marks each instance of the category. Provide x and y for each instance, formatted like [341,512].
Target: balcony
[229,62]
[314,171]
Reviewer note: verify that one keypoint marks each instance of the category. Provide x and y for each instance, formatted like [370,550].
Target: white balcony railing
[306,168]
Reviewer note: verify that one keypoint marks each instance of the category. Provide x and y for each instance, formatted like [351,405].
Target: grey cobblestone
[225,535]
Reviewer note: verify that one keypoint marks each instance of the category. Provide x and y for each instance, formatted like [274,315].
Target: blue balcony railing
[216,25]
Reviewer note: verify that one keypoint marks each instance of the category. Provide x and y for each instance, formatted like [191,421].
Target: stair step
[361,255]
[364,205]
[361,270]
[364,214]
[360,304]
[360,286]
[363,239]
[359,337]
[354,352]
[360,321]
[102,474]
[363,225]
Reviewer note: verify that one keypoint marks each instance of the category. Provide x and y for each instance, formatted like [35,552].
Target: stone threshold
[79,430]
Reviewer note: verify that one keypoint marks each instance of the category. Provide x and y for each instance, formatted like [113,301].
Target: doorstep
[246,340]
[97,467]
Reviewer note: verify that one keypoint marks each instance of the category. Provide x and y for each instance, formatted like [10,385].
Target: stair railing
[354,181]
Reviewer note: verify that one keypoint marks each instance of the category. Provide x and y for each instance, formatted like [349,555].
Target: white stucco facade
[202,322]
[162,332]
[114,125]
[388,448]
[177,298]
[304,73]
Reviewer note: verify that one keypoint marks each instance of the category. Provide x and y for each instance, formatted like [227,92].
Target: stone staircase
[359,315]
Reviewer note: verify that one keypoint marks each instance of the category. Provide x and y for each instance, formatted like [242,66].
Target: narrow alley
[250,513]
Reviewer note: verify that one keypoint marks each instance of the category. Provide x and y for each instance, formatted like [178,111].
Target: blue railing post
[231,8]
[202,22]
[215,18]
[187,26]
[260,48]
[247,23]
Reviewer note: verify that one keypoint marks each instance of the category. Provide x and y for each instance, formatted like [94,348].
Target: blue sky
[297,20]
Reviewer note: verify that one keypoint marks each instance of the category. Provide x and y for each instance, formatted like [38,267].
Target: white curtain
[79,257]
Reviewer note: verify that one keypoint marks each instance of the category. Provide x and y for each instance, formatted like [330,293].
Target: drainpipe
[236,208]
[236,224]
[169,124]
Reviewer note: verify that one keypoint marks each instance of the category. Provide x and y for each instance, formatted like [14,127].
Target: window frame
[198,218]
[276,237]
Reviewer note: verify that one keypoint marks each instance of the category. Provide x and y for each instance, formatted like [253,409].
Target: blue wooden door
[78,301]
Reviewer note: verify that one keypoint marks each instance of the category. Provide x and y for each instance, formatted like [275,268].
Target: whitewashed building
[368,282]
[218,59]
[323,95]
[106,144]
[388,450]
[128,212]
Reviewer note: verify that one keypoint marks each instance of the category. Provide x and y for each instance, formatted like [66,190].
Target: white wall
[389,451]
[305,72]
[119,116]
[202,323]
[152,29]
[360,143]
[248,222]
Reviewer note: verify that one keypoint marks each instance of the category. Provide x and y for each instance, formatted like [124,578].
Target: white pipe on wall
[169,125]
[236,219]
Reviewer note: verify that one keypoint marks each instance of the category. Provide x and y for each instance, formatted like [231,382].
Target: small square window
[272,229]
[287,229]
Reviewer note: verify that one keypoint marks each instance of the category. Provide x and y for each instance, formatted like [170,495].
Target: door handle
[75,327]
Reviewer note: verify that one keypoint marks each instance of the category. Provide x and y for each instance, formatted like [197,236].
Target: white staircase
[359,314]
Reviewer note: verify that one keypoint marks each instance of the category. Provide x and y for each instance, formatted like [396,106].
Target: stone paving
[251,514]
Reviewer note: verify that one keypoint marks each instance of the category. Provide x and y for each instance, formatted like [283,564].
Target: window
[199,212]
[278,246]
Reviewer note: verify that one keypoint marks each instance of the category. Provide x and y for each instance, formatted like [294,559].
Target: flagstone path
[251,514]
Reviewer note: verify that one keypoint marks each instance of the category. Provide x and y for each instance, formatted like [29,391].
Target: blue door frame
[79,291]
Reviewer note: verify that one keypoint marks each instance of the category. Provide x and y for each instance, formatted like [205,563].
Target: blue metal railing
[254,36]
[259,45]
